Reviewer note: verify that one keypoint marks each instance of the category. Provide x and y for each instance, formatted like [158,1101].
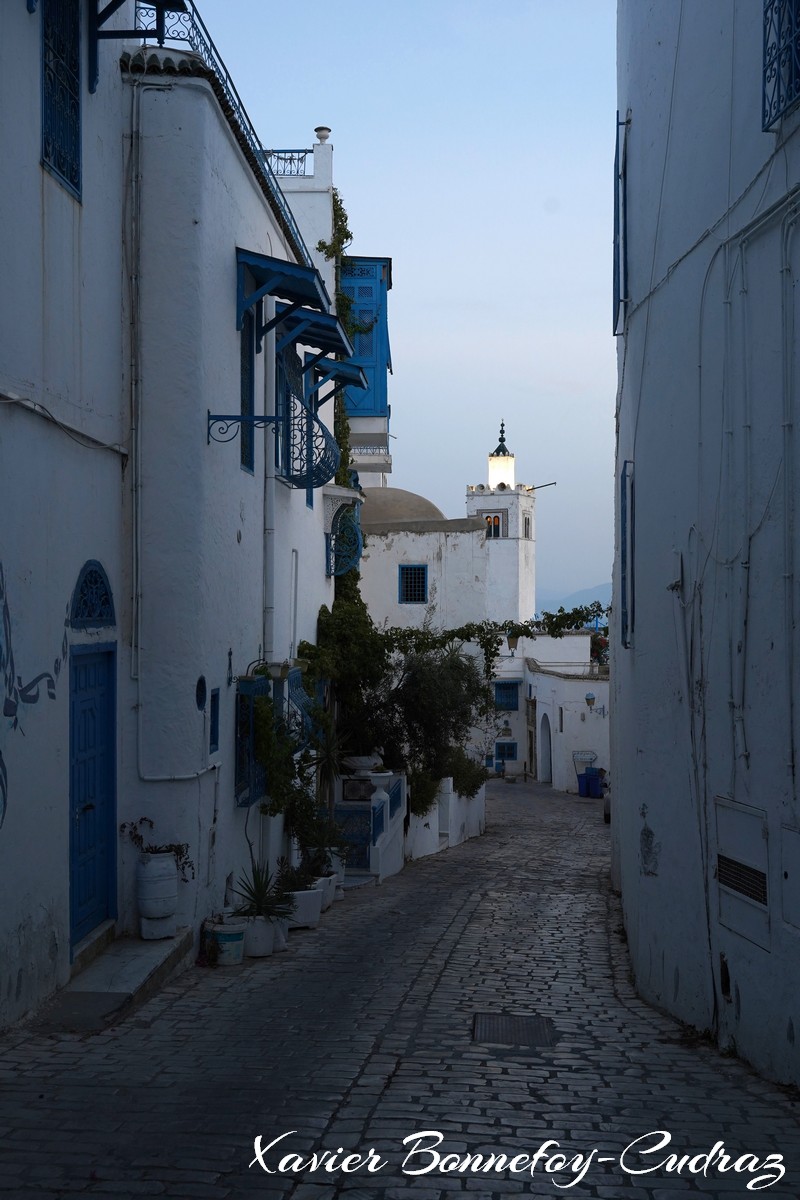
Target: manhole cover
[507,1029]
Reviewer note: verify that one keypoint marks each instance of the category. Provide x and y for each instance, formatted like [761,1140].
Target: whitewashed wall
[62,348]
[704,699]
[197,561]
[457,568]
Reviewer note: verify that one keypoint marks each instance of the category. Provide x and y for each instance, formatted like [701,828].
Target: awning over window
[287,281]
[320,330]
[340,374]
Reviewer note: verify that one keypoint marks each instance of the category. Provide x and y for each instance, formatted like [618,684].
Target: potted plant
[158,870]
[300,884]
[264,902]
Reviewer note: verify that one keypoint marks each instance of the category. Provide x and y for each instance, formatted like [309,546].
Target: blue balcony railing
[187,29]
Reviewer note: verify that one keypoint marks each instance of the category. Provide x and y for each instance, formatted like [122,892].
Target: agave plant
[261,895]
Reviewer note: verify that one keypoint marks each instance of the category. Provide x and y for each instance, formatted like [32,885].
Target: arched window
[92,602]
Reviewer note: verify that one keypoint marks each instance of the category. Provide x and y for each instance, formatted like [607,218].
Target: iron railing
[187,28]
[290,162]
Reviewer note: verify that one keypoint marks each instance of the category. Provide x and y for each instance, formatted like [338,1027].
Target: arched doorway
[545,751]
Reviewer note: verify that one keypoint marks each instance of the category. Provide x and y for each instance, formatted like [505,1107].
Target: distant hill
[547,601]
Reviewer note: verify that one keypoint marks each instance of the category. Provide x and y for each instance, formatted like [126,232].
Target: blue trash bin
[583,785]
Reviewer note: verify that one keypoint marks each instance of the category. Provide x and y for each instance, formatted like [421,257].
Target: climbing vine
[418,694]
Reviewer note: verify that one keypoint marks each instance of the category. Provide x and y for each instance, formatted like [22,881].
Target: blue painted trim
[401,575]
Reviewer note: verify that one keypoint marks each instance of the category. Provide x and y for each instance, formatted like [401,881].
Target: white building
[419,567]
[153,275]
[705,634]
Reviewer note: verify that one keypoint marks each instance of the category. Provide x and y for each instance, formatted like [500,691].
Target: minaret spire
[502,449]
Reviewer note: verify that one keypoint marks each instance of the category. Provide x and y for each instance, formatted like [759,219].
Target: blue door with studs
[92,788]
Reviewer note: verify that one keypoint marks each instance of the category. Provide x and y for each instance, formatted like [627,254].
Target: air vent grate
[747,881]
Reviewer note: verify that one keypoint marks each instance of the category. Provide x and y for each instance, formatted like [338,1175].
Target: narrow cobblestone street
[361,1035]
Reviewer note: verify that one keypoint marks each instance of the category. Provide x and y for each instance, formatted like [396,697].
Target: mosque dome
[395,505]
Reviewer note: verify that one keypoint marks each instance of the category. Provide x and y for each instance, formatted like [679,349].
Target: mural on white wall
[16,692]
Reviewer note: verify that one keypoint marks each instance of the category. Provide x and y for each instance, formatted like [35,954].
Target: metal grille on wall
[781,59]
[739,877]
[299,709]
[92,603]
[306,453]
[346,542]
[61,91]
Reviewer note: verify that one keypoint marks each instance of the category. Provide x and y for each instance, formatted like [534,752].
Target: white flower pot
[259,937]
[157,885]
[281,927]
[327,885]
[308,906]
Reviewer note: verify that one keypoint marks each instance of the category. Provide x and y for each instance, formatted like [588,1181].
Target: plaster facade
[704,639]
[119,334]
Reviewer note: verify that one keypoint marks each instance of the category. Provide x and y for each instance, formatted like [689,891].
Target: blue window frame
[248,390]
[506,695]
[505,751]
[412,583]
[620,282]
[61,92]
[626,542]
[213,723]
[781,67]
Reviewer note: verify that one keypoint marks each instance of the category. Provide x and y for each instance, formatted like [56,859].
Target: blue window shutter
[505,751]
[506,695]
[365,282]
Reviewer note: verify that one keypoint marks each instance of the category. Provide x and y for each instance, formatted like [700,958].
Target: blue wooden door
[92,789]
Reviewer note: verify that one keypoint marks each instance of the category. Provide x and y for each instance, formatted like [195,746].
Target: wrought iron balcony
[310,456]
[187,29]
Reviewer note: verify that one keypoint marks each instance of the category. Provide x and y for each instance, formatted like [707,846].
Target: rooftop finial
[502,449]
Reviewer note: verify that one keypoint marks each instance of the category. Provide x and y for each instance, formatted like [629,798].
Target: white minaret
[507,507]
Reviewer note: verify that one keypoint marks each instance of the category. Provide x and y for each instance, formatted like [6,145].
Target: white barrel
[157,885]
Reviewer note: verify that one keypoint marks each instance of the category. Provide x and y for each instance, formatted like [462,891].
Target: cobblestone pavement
[361,1036]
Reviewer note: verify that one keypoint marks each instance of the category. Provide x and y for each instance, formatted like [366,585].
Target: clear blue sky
[473,144]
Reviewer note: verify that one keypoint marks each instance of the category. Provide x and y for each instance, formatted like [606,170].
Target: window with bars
[506,695]
[526,527]
[413,584]
[61,92]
